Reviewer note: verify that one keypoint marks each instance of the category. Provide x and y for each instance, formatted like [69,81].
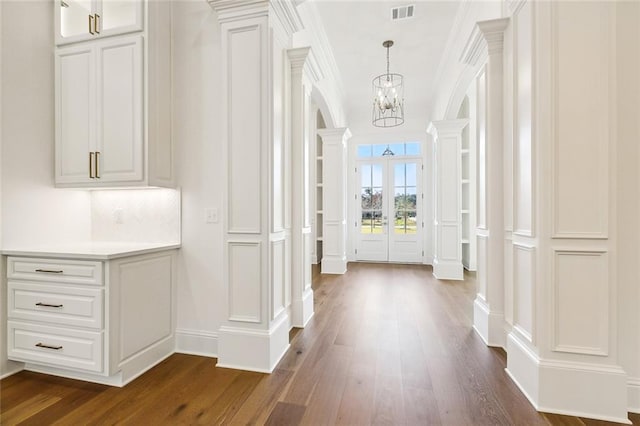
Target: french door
[389,224]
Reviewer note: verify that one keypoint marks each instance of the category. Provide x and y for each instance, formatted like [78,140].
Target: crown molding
[235,10]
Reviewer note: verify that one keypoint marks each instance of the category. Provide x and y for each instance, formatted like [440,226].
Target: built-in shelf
[319,158]
[465,241]
[319,185]
[320,212]
[465,211]
[465,181]
[319,239]
[464,151]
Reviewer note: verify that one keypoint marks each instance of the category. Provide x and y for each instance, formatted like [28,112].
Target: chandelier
[388,97]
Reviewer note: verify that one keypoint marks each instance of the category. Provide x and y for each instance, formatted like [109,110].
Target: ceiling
[356,30]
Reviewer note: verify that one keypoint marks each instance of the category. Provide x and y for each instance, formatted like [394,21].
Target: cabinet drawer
[55,270]
[56,346]
[55,303]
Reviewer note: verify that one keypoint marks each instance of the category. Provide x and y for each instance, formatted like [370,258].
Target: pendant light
[388,96]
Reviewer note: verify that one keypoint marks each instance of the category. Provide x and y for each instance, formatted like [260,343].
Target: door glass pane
[371,222]
[74,17]
[371,193]
[405,199]
[376,174]
[118,13]
[366,175]
[398,175]
[411,174]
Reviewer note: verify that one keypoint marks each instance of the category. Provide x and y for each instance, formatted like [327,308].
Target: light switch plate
[211,215]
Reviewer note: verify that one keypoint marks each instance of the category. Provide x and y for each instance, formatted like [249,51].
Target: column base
[489,325]
[302,310]
[253,349]
[444,270]
[569,388]
[633,390]
[333,265]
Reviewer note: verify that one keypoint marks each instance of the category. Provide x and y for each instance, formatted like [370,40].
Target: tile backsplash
[136,215]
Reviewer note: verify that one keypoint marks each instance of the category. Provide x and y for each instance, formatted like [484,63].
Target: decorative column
[255,131]
[447,254]
[302,73]
[484,49]
[565,349]
[334,200]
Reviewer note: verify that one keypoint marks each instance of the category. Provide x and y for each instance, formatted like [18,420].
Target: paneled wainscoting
[388,344]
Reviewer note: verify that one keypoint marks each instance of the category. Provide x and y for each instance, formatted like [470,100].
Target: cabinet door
[119,143]
[74,20]
[119,16]
[79,20]
[75,113]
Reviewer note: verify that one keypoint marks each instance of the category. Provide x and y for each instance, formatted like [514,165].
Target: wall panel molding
[245,281]
[580,302]
[245,128]
[580,172]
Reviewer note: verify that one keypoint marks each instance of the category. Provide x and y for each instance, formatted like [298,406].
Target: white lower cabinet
[105,322]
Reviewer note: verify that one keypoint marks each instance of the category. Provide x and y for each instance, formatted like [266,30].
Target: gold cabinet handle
[97,164]
[96,27]
[91,24]
[42,345]
[91,165]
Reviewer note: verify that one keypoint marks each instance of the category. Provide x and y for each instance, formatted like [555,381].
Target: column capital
[237,10]
[487,38]
[303,59]
[441,128]
[337,135]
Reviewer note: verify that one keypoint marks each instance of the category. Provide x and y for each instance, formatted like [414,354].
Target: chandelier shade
[388,96]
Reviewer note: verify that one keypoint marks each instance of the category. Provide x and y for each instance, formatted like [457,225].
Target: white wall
[196,134]
[628,182]
[33,210]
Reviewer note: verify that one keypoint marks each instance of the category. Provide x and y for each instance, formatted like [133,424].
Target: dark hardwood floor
[388,344]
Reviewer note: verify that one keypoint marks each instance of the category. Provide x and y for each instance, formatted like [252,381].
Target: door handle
[91,25]
[98,164]
[91,154]
[97,26]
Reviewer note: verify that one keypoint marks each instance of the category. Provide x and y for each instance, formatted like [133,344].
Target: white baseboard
[443,270]
[253,349]
[489,325]
[633,390]
[568,388]
[302,310]
[334,265]
[428,260]
[12,368]
[197,342]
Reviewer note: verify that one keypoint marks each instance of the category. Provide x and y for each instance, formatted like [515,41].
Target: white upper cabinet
[79,20]
[113,113]
[99,95]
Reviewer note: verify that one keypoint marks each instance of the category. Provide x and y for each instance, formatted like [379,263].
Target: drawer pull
[42,345]
[50,271]
[48,305]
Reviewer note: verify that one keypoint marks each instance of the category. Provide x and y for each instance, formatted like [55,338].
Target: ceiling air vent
[402,12]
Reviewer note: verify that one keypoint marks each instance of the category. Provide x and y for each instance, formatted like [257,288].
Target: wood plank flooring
[388,345]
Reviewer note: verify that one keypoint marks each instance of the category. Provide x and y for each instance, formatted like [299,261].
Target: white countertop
[97,250]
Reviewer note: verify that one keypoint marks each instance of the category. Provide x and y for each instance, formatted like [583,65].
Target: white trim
[11,371]
[197,342]
[633,391]
[490,325]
